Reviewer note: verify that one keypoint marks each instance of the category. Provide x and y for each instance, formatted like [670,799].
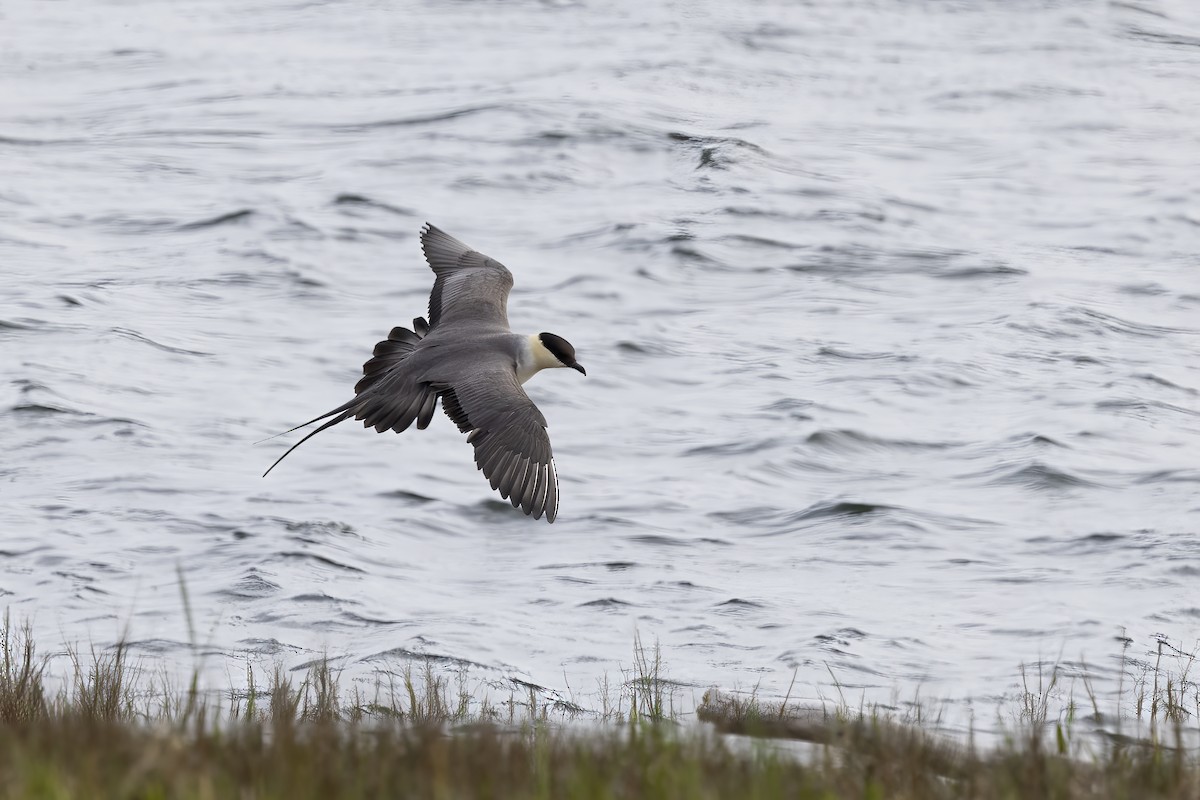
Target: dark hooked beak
[578,367]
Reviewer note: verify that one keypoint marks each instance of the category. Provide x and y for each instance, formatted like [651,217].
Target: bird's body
[467,357]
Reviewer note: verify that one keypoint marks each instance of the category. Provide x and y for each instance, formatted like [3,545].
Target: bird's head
[561,352]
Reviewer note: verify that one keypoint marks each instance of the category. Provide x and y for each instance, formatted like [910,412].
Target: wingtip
[430,231]
[552,494]
[434,239]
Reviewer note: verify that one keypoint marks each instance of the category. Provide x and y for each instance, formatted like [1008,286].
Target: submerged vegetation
[110,731]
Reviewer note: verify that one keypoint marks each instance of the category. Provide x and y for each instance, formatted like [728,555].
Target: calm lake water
[890,311]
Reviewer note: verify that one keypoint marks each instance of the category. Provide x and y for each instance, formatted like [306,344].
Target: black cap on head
[561,349]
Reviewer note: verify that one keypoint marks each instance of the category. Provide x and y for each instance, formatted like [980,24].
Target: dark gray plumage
[467,357]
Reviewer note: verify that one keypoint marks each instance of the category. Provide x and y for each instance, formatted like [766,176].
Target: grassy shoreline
[104,733]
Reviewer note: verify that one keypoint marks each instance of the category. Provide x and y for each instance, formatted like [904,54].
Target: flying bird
[467,357]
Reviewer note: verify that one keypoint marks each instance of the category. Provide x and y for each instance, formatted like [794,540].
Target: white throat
[533,358]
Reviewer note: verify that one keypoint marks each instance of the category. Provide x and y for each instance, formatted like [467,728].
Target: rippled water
[890,310]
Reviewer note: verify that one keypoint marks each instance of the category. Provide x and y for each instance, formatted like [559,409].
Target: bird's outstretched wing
[507,430]
[512,446]
[469,286]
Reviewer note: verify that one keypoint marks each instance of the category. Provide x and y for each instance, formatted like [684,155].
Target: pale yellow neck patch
[535,359]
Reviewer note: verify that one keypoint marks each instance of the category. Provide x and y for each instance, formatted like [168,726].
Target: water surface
[891,315]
